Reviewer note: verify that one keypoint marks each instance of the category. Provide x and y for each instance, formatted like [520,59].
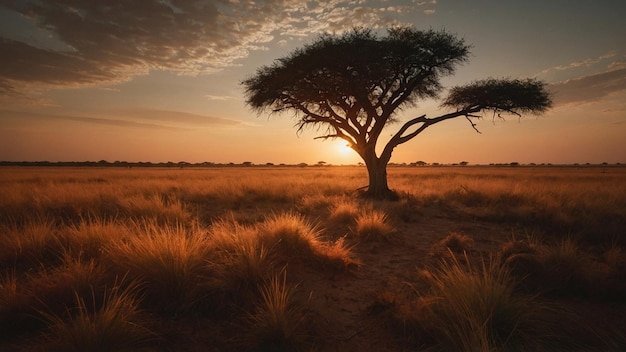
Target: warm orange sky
[159,80]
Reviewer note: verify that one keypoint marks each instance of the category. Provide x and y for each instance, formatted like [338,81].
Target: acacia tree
[352,86]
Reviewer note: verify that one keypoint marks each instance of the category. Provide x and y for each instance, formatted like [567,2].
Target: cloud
[586,62]
[589,88]
[218,97]
[178,117]
[87,43]
[9,114]
[589,62]
[137,118]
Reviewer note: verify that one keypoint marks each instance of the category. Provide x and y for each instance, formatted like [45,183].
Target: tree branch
[467,117]
[399,138]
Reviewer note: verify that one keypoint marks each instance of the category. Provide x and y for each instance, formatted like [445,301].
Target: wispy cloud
[589,88]
[578,64]
[103,43]
[218,97]
[175,117]
[585,63]
[10,114]
[135,118]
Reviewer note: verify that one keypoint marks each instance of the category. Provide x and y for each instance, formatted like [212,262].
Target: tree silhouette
[352,86]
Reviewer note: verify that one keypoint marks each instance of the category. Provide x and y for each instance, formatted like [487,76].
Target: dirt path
[342,302]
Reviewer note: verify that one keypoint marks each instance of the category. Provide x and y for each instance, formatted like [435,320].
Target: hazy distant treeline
[182,164]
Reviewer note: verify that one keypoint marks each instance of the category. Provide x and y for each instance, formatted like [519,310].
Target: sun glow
[343,149]
[340,153]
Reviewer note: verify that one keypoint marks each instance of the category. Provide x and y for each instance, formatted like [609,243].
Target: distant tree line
[184,164]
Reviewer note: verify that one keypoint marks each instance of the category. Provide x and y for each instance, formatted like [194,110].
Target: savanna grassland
[282,259]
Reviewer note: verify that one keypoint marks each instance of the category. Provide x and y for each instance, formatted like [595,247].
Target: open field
[281,259]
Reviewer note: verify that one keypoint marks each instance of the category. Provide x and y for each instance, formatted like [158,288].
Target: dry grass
[469,307]
[168,260]
[239,261]
[277,323]
[454,242]
[373,225]
[30,244]
[208,247]
[344,211]
[293,238]
[114,324]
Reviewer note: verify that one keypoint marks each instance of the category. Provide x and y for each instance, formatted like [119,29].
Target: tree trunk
[377,172]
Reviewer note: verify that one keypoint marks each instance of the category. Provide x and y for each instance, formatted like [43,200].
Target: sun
[342,148]
[338,152]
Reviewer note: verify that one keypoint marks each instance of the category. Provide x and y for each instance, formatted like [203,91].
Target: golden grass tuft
[471,308]
[291,234]
[344,211]
[475,309]
[277,323]
[373,225]
[165,210]
[113,324]
[89,237]
[293,238]
[169,260]
[239,261]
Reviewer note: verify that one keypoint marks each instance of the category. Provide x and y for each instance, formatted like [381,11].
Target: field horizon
[488,258]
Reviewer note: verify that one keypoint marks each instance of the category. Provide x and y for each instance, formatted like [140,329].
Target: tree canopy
[352,86]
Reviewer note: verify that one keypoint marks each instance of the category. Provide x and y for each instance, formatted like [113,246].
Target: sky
[160,80]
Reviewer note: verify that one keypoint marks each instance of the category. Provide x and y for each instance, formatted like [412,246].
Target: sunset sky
[159,80]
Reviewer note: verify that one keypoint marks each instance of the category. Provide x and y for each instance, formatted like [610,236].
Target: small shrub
[374,225]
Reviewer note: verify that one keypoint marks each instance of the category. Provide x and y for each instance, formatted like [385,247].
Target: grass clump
[454,242]
[12,305]
[54,288]
[293,238]
[277,323]
[30,244]
[239,261]
[113,324]
[89,237]
[168,260]
[344,211]
[373,225]
[291,234]
[477,308]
